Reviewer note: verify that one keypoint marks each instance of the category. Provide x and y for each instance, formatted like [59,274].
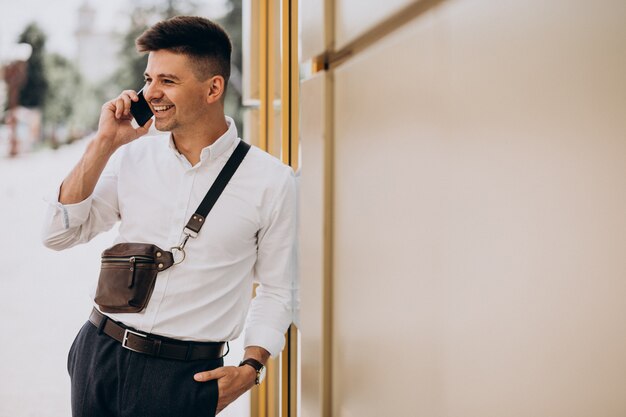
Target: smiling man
[166,359]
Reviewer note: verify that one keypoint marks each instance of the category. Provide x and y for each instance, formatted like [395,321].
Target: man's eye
[167,81]
[147,80]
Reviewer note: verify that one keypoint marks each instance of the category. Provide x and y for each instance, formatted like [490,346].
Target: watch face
[261,374]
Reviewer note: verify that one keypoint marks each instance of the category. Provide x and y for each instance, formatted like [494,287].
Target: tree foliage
[34,91]
[231,22]
[64,87]
[71,106]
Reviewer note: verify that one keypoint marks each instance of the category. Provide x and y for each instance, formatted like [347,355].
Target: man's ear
[216,88]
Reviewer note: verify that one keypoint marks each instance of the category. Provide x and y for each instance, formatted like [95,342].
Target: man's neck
[191,142]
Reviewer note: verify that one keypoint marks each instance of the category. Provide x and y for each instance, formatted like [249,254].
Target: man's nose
[151,92]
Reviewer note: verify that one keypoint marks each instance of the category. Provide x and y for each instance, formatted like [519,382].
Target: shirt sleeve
[270,312]
[67,225]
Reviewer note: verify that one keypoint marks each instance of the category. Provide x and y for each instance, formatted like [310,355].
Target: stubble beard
[166,125]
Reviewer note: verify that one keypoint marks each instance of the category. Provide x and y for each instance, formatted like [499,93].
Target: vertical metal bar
[327,314]
[285,85]
[263,58]
[269,392]
[329,230]
[258,397]
[292,404]
[294,79]
[273,387]
[289,123]
[271,73]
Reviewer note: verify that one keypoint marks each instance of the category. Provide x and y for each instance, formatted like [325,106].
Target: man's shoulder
[265,162]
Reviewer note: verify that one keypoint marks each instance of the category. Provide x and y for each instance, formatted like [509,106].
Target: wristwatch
[258,367]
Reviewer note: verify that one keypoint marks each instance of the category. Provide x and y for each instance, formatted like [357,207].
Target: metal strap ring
[179,249]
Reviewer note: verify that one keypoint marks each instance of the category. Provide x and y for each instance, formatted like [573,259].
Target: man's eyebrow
[171,76]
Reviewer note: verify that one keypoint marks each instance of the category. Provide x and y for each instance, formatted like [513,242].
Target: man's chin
[162,126]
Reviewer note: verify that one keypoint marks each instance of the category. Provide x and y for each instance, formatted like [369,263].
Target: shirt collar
[217,148]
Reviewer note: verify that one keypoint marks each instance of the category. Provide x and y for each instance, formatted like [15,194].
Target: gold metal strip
[294,109]
[263,93]
[327,295]
[329,238]
[294,386]
[258,397]
[285,85]
[333,59]
[294,159]
[284,378]
[272,387]
[272,25]
[272,9]
[290,82]
[285,116]
[289,122]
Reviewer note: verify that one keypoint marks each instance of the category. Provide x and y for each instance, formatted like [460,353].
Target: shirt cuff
[73,214]
[266,337]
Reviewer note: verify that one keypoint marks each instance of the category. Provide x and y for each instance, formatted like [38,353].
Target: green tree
[233,105]
[34,91]
[65,87]
[129,75]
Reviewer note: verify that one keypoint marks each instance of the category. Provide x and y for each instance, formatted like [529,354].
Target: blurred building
[96,48]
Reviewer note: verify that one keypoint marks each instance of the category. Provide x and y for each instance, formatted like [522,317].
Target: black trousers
[111,381]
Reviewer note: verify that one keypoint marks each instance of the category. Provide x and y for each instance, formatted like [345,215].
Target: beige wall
[312,212]
[478,215]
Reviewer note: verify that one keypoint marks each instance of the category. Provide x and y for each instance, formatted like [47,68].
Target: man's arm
[270,311]
[74,216]
[114,130]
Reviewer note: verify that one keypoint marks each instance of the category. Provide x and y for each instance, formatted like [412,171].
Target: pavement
[43,293]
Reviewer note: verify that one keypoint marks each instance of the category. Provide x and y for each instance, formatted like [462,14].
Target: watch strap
[258,366]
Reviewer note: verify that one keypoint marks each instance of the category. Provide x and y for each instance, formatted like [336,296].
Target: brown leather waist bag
[128,274]
[128,271]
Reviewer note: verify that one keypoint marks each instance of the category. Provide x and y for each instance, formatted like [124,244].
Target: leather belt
[153,345]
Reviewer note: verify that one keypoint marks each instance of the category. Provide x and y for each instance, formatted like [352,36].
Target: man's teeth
[162,108]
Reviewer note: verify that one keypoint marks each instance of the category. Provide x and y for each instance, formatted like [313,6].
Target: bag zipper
[132,261]
[137,259]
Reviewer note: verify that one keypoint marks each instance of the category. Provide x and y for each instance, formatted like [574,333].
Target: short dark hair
[205,42]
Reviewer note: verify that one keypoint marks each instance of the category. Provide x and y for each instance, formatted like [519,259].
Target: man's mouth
[160,109]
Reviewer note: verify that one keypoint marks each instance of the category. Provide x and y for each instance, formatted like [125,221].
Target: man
[152,185]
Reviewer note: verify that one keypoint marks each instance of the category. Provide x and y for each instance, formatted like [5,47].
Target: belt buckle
[125,339]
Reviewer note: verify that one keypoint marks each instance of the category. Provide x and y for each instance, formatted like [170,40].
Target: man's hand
[114,127]
[232,381]
[114,130]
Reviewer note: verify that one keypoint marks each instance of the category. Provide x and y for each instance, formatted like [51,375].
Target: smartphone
[141,109]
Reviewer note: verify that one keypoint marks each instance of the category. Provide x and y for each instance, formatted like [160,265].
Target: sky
[59,19]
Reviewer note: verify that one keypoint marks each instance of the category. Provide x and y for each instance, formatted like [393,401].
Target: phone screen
[140,109]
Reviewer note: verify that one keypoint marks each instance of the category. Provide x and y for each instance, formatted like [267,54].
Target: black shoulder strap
[197,220]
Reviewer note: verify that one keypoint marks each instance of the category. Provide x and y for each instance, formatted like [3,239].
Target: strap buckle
[125,339]
[187,233]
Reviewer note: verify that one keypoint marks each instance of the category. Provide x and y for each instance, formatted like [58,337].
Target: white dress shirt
[249,236]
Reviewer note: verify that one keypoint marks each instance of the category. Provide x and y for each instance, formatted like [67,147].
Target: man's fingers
[122,103]
[209,375]
[142,130]
[119,107]
[132,95]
